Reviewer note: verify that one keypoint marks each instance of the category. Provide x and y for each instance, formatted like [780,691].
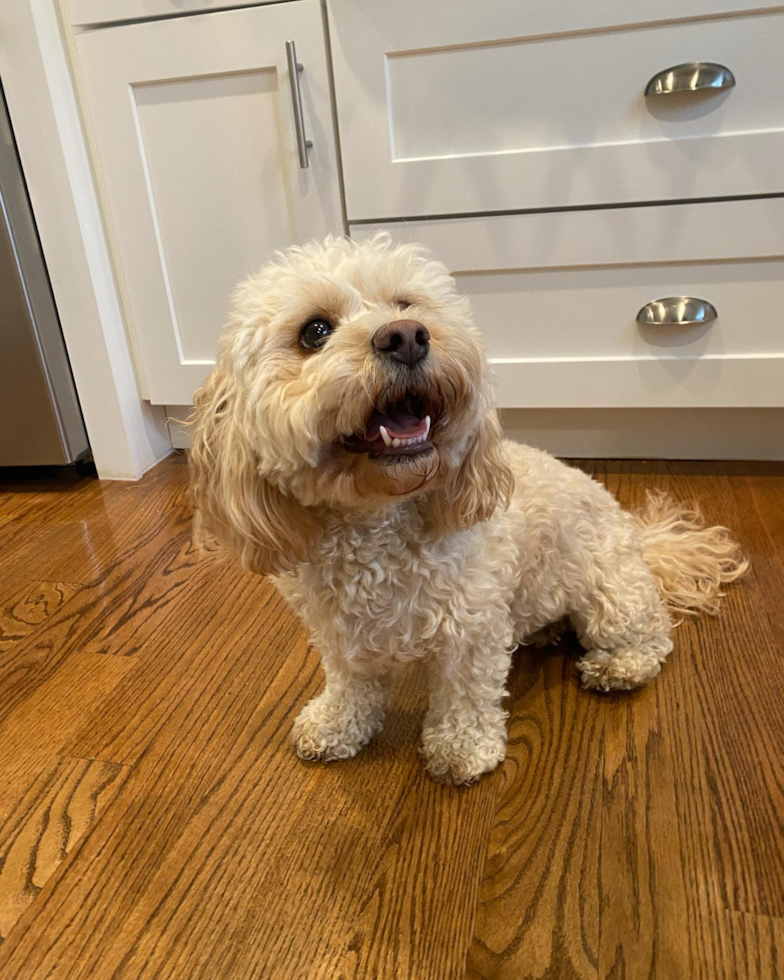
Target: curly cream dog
[346,443]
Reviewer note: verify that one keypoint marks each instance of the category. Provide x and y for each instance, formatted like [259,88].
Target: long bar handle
[303,143]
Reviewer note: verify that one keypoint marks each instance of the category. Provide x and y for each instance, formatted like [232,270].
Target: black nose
[406,341]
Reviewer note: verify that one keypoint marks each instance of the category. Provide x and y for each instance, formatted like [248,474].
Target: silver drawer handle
[694,76]
[303,143]
[677,309]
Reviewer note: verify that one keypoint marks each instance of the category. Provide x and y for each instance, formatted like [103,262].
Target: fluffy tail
[690,561]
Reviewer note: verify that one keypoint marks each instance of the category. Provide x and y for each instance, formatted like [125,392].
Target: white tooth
[427,428]
[409,442]
[385,436]
[395,443]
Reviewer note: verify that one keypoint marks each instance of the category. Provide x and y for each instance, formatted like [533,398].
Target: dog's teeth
[395,443]
[427,428]
[385,436]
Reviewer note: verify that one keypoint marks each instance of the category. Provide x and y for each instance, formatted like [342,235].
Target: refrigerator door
[40,419]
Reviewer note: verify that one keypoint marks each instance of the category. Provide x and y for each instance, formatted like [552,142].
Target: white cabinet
[194,134]
[557,295]
[453,106]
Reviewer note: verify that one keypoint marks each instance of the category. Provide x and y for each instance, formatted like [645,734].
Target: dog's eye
[403,303]
[314,334]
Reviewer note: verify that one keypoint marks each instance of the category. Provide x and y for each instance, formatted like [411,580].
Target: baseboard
[655,433]
[639,433]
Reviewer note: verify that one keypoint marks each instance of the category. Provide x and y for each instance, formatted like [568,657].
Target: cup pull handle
[677,309]
[694,76]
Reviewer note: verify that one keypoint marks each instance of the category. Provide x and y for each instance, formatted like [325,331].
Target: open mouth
[400,429]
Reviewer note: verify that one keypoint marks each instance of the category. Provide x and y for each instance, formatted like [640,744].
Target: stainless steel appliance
[40,420]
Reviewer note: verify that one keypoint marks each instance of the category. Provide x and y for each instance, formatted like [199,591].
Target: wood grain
[31,734]
[156,823]
[24,612]
[755,946]
[45,825]
[538,912]
[134,538]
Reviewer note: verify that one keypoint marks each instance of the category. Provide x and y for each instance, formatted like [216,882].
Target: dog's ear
[270,531]
[480,484]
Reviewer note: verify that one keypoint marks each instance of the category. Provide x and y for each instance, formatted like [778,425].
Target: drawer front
[557,297]
[85,13]
[542,105]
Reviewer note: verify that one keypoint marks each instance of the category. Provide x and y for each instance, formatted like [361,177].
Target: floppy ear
[481,484]
[270,531]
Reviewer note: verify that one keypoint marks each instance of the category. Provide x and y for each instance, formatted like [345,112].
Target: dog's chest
[377,591]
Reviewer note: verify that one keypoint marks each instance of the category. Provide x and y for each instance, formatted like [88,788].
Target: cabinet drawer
[509,106]
[557,298]
[84,13]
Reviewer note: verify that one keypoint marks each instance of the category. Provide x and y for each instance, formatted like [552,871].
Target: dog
[346,444]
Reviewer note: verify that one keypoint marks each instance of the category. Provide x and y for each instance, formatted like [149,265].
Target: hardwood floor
[154,821]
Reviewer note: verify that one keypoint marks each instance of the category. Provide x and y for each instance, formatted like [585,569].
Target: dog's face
[350,377]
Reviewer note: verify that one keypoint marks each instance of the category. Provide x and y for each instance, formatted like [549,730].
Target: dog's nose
[406,341]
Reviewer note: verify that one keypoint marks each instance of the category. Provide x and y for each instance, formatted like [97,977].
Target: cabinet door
[195,139]
[457,106]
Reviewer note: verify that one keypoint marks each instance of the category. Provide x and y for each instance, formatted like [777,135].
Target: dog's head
[350,377]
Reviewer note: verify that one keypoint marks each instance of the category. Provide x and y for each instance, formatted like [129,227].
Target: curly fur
[454,557]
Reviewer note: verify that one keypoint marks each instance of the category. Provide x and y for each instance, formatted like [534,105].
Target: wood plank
[759,500]
[645,885]
[692,819]
[58,553]
[739,671]
[42,495]
[405,889]
[755,946]
[225,605]
[31,734]
[538,912]
[330,843]
[145,538]
[44,827]
[24,612]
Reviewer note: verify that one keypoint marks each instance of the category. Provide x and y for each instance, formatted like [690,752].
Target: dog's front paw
[461,756]
[329,731]
[617,670]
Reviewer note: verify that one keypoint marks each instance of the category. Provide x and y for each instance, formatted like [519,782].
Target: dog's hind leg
[625,630]
[548,635]
[346,715]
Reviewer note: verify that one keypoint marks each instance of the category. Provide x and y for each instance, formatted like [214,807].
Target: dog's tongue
[399,423]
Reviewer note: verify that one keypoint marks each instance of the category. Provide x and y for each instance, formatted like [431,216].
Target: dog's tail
[690,561]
